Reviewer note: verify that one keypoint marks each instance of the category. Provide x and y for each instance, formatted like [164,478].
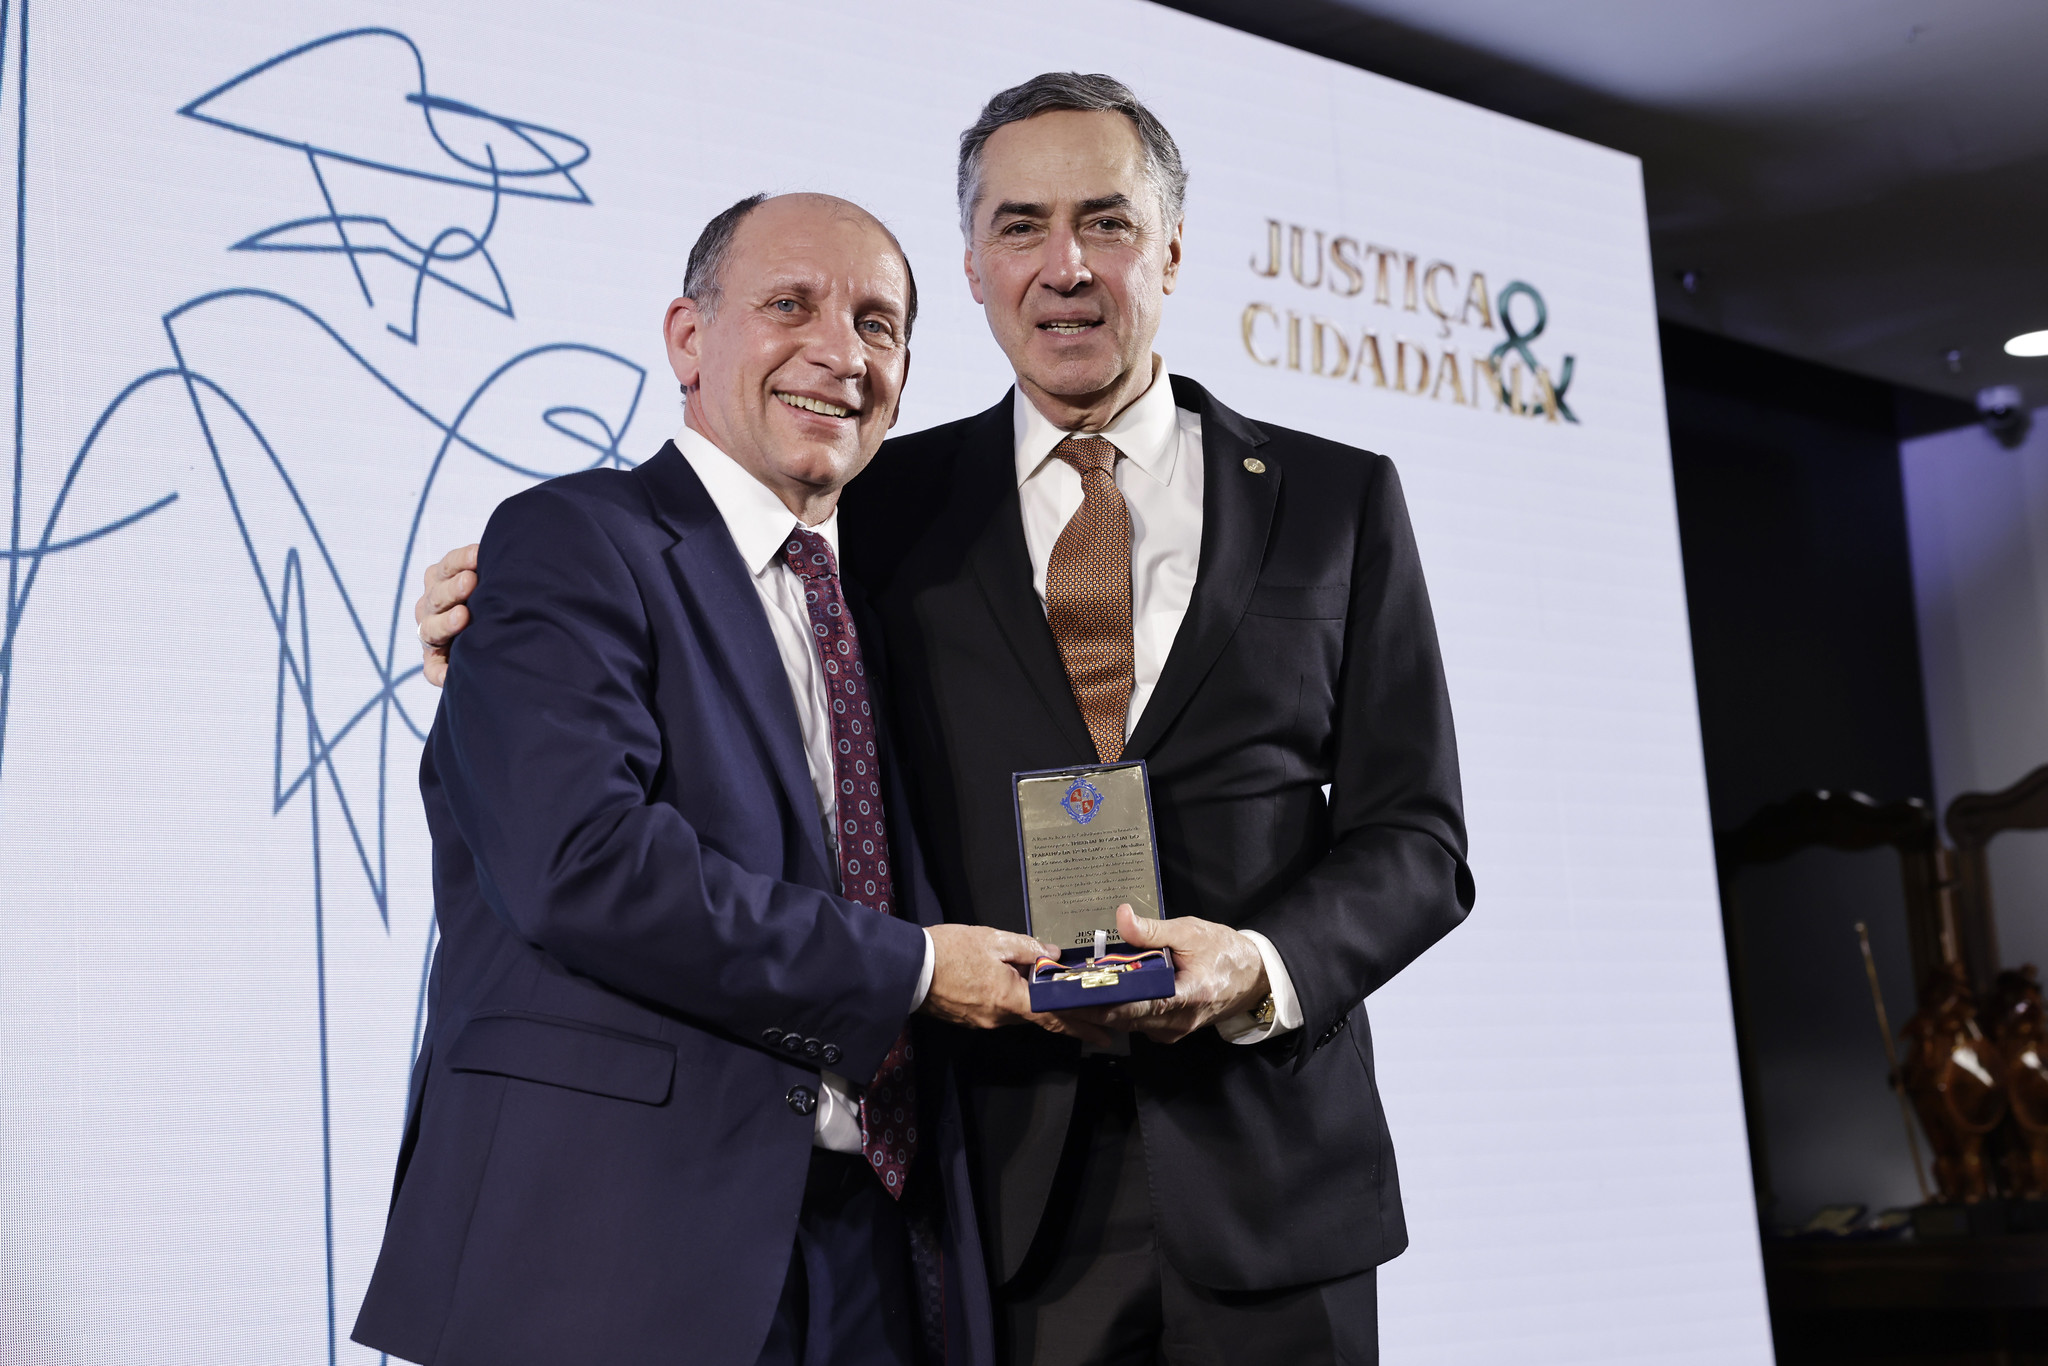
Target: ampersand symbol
[1518,341]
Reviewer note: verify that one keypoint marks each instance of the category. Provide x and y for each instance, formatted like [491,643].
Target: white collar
[754,517]
[1147,432]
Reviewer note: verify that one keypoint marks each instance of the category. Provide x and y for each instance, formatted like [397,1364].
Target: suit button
[813,1048]
[793,1042]
[771,1037]
[830,1054]
[801,1099]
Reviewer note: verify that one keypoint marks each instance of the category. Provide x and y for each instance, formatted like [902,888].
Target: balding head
[703,279]
[794,342]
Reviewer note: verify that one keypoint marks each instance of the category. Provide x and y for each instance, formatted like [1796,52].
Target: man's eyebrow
[882,303]
[790,284]
[1108,201]
[1014,208]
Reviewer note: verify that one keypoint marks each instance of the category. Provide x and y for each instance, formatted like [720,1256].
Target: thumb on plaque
[1137,930]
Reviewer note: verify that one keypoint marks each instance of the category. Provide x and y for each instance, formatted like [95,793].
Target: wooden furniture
[2003,1271]
[1954,1074]
[1973,820]
[1851,822]
[1944,1302]
[2019,1027]
[1974,1300]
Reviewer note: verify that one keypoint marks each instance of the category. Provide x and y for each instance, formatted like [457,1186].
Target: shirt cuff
[837,1127]
[924,977]
[1286,1005]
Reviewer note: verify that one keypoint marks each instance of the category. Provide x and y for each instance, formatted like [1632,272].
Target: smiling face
[797,372]
[1069,257]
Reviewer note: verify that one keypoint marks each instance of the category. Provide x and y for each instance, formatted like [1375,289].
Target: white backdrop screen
[301,291]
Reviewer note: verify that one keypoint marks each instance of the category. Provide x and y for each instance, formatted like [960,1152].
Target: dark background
[1844,204]
[1791,506]
[1799,585]
[1798,579]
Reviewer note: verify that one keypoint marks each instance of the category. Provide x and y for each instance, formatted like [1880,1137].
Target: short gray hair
[704,278]
[1070,90]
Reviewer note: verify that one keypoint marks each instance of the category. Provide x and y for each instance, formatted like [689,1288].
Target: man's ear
[683,330]
[1170,276]
[973,276]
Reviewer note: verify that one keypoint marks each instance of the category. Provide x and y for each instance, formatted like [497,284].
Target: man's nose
[1066,262]
[834,344]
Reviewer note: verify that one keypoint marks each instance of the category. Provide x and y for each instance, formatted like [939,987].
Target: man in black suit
[1110,564]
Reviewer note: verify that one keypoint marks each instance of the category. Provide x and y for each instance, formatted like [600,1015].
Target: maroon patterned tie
[888,1108]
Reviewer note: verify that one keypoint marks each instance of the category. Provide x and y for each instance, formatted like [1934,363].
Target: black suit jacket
[644,961]
[1308,656]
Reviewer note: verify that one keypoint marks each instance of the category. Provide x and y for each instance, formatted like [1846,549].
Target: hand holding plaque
[1218,973]
[1085,843]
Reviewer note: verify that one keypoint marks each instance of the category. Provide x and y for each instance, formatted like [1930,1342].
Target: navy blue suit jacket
[643,962]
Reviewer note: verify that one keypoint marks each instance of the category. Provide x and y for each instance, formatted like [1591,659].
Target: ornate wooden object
[2020,1030]
[1954,1075]
[1850,821]
[1973,819]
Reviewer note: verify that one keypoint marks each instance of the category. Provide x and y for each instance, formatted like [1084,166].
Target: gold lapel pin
[1254,464]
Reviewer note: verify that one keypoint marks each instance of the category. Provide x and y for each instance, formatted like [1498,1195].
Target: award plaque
[1084,840]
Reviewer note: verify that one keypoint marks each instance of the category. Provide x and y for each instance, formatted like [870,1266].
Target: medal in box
[1085,845]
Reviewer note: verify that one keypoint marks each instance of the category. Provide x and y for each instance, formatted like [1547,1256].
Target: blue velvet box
[1147,979]
[1085,845]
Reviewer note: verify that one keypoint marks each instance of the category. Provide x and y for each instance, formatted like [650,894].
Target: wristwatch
[1263,1012]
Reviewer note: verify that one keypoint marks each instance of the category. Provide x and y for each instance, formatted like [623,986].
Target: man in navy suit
[671,1104]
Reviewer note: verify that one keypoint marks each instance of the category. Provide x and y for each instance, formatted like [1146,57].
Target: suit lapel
[1001,564]
[723,602]
[1237,517]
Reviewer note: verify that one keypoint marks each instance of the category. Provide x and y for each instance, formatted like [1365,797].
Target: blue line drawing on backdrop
[546,410]
[412,134]
[25,560]
[596,393]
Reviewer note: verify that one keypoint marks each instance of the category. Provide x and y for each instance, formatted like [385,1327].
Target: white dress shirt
[1161,478]
[759,526]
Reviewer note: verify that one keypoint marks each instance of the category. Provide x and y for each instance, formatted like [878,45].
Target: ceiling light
[2028,344]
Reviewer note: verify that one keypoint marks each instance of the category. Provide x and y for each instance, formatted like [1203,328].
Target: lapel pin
[1254,464]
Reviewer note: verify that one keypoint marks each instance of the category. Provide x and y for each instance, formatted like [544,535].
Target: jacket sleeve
[1395,879]
[550,751]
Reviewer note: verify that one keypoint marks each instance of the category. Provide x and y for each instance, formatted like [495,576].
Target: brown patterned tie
[1088,594]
